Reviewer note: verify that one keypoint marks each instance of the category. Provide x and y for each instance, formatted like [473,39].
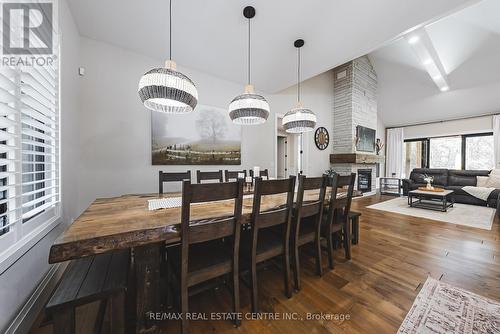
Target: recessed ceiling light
[427,61]
[445,88]
[413,39]
[437,77]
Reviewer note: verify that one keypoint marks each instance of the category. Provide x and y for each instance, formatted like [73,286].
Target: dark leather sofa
[453,180]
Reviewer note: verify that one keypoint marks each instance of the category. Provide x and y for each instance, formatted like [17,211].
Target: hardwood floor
[375,289]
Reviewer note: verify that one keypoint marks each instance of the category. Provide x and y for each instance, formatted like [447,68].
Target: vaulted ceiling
[211,35]
[468,45]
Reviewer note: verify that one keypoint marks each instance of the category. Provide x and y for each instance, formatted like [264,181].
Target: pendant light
[249,108]
[299,119]
[167,90]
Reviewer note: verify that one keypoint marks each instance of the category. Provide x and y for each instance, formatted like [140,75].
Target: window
[29,150]
[445,152]
[416,155]
[479,152]
[471,152]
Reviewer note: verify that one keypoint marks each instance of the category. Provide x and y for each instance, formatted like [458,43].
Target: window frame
[25,234]
[463,137]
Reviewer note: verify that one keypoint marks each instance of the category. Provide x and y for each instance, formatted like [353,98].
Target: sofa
[452,180]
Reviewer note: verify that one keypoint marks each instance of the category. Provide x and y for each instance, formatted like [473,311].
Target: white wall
[115,129]
[316,94]
[19,281]
[448,128]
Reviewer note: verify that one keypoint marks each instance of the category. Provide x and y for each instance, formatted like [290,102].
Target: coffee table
[431,200]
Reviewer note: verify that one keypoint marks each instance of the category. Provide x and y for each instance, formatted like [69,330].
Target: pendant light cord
[298,74]
[249,51]
[170,29]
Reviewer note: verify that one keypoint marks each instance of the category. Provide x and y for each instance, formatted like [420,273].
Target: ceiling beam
[423,48]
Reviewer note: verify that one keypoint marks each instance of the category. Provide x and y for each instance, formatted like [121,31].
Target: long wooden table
[125,222]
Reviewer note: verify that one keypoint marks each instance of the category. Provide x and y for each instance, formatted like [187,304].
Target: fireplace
[365,180]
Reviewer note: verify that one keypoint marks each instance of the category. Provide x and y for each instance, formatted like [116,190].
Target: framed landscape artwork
[205,136]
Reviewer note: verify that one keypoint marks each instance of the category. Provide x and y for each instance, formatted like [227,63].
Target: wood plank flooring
[375,289]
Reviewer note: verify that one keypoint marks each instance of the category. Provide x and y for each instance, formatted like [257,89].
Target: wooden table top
[125,221]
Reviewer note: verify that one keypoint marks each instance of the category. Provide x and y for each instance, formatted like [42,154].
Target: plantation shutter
[29,145]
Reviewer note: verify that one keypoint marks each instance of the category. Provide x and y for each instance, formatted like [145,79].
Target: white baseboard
[34,305]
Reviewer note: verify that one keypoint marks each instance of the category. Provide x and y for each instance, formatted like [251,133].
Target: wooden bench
[354,218]
[101,277]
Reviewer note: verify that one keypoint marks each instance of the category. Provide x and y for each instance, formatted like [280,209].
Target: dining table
[125,222]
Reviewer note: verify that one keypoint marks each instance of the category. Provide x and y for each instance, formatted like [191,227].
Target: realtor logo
[27,28]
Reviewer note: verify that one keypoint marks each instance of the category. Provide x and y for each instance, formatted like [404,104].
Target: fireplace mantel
[356,158]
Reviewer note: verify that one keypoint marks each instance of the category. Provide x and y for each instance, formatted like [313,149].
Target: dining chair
[263,173]
[172,177]
[307,218]
[204,253]
[261,242]
[337,219]
[230,175]
[209,176]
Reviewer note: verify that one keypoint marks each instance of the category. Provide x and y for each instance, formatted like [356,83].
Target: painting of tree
[205,136]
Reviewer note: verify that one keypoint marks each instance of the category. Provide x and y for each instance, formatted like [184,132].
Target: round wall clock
[321,138]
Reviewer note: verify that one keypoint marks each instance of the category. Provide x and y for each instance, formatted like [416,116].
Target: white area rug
[461,214]
[441,308]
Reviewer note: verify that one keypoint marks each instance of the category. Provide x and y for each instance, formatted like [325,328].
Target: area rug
[443,308]
[461,214]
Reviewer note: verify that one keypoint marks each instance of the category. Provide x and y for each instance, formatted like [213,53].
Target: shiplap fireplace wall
[355,103]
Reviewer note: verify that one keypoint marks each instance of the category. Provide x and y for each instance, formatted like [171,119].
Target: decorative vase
[429,185]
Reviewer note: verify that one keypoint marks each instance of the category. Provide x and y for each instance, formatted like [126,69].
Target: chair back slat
[211,230]
[172,177]
[209,192]
[272,218]
[209,176]
[345,180]
[273,187]
[311,209]
[233,174]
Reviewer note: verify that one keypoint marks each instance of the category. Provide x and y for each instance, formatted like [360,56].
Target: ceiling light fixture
[445,88]
[413,39]
[427,61]
[165,89]
[299,119]
[249,108]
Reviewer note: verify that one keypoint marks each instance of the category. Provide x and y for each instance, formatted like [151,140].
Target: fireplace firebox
[365,180]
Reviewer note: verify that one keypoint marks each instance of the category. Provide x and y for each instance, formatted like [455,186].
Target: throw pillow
[482,181]
[494,181]
[495,172]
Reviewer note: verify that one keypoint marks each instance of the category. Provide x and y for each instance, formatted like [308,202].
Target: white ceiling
[468,45]
[210,35]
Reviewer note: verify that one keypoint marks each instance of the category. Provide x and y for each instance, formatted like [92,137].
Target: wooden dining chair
[232,175]
[204,253]
[337,219]
[209,176]
[262,242]
[307,218]
[263,173]
[172,177]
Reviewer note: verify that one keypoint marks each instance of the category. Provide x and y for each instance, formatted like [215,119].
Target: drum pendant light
[299,119]
[167,90]
[249,108]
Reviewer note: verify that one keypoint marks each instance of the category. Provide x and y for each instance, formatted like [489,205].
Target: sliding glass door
[416,154]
